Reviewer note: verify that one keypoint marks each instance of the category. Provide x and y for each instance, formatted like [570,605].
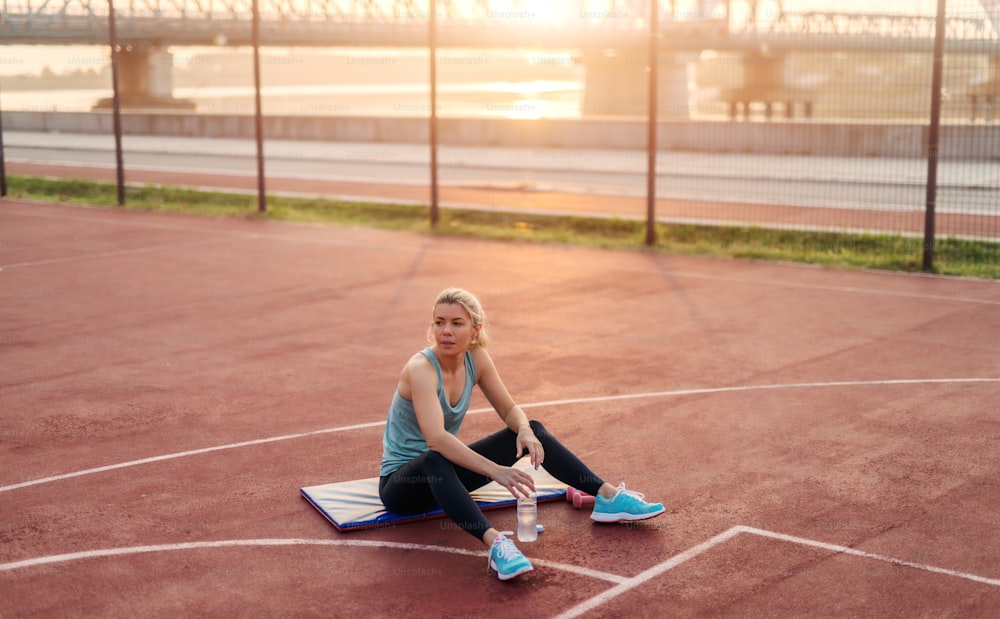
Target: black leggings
[431,480]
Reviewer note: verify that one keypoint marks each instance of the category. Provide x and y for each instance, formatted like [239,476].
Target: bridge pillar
[146,80]
[616,83]
[764,87]
[984,98]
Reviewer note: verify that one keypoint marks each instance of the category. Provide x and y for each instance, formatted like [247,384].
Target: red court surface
[825,441]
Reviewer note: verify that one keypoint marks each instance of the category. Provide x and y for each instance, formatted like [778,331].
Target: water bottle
[527,518]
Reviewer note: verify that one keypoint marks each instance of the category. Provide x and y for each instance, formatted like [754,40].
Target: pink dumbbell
[578,498]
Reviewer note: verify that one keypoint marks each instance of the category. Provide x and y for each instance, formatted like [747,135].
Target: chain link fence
[852,140]
[825,121]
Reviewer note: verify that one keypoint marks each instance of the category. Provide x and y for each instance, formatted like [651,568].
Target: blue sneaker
[626,505]
[506,559]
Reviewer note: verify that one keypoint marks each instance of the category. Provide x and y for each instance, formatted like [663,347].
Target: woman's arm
[505,406]
[423,383]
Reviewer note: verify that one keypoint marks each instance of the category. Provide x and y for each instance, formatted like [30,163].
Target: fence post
[933,139]
[258,113]
[116,112]
[432,45]
[654,18]
[3,165]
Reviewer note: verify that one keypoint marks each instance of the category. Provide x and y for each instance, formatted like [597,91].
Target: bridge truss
[700,24]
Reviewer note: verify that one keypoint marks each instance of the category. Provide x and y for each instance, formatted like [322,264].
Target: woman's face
[452,328]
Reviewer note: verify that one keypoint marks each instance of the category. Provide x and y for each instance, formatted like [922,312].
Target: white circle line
[183,454]
[584,400]
[234,543]
[713,390]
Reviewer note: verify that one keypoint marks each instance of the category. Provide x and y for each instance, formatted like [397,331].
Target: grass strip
[957,257]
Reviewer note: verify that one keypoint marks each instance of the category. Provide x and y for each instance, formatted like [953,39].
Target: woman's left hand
[527,441]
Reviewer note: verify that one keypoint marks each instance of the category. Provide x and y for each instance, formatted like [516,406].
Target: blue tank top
[403,440]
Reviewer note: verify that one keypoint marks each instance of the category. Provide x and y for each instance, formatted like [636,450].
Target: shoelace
[630,493]
[505,547]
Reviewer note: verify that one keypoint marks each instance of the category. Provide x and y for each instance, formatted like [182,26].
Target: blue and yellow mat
[355,505]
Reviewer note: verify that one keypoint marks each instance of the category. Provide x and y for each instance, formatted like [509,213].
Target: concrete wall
[978,141]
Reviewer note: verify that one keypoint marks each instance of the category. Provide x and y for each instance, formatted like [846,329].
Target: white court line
[867,555]
[153,225]
[676,560]
[622,584]
[134,550]
[626,396]
[710,390]
[193,452]
[652,572]
[236,234]
[121,252]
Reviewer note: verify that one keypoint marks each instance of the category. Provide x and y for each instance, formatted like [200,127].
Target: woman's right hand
[518,482]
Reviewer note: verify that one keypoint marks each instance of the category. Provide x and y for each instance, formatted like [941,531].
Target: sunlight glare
[526,109]
[534,87]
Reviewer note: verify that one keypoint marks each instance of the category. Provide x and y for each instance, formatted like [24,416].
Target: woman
[425,464]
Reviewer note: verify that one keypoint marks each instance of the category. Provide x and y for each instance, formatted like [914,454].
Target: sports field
[825,441]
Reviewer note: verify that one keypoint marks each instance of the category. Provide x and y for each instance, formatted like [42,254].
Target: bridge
[618,24]
[612,36]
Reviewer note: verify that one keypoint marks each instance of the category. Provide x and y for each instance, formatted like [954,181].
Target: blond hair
[472,307]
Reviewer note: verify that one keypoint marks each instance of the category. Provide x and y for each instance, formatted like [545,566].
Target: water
[534,99]
[527,519]
[312,82]
[388,83]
